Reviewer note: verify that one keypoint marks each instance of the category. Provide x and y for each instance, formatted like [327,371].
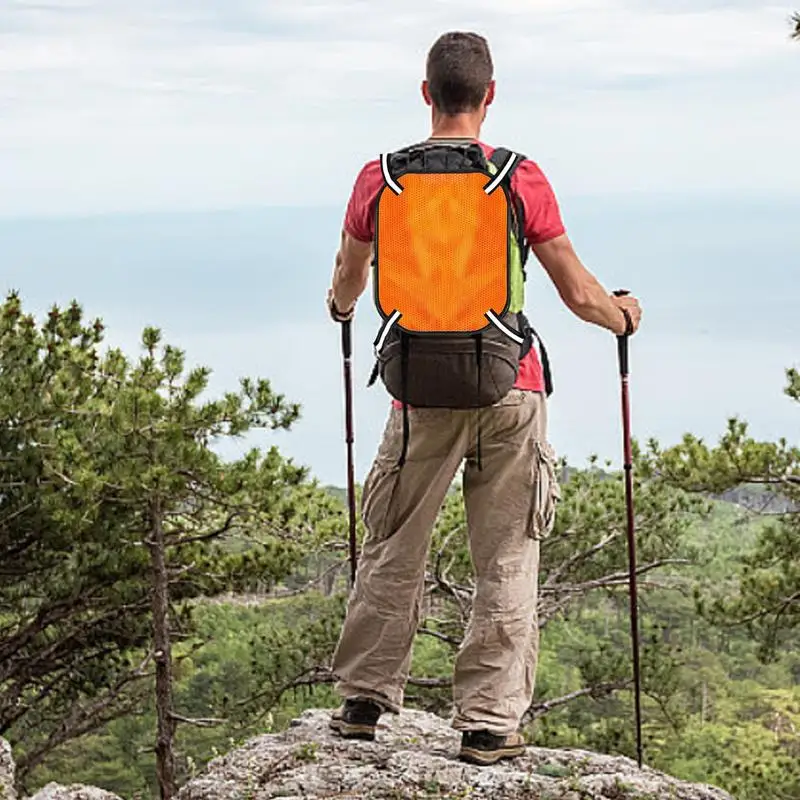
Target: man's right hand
[631,305]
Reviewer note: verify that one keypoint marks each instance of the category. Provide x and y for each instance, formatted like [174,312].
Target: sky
[187,165]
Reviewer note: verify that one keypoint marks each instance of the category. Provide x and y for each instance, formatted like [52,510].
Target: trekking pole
[622,349]
[347,354]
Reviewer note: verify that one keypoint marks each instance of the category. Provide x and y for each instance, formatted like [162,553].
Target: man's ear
[490,94]
[426,94]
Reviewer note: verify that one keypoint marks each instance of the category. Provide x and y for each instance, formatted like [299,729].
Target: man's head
[459,74]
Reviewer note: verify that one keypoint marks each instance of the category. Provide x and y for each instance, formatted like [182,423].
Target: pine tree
[115,512]
[767,595]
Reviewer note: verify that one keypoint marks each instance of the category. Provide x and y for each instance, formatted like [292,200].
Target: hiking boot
[484,748]
[356,719]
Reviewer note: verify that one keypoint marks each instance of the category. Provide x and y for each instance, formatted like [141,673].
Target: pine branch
[87,719]
[613,579]
[209,722]
[440,636]
[778,608]
[205,537]
[319,676]
[600,690]
[553,577]
[337,567]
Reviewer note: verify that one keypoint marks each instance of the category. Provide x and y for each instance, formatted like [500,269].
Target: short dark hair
[459,71]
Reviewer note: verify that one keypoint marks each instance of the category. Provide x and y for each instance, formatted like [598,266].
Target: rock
[414,756]
[6,772]
[75,792]
[50,792]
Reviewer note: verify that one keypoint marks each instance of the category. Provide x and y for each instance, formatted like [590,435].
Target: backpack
[449,273]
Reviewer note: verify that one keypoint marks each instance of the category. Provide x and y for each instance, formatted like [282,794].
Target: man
[495,667]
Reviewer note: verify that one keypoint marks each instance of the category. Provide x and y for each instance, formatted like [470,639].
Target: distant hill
[750,497]
[758,498]
[337,492]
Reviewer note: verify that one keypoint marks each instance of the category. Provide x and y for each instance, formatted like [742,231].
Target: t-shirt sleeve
[542,214]
[359,218]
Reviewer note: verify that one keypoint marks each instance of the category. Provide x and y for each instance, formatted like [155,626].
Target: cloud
[108,105]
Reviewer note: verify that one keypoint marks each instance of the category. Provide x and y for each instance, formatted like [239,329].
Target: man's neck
[459,126]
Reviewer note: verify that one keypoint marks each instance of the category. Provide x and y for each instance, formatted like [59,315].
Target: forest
[160,604]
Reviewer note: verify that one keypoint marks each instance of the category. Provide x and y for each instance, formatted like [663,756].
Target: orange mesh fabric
[442,258]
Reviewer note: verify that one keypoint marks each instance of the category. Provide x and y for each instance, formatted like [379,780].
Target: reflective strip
[495,320]
[391,182]
[384,332]
[502,174]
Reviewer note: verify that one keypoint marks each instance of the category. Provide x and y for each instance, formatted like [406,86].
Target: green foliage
[97,450]
[97,446]
[766,596]
[236,673]
[750,747]
[237,676]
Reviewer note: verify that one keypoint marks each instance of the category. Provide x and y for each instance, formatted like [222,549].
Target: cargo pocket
[377,499]
[546,491]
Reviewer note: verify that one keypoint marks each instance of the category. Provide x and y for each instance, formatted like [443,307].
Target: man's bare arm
[581,291]
[351,273]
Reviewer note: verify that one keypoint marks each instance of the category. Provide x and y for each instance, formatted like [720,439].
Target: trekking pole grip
[622,340]
[347,338]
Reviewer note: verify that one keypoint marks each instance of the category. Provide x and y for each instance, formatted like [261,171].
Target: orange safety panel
[442,252]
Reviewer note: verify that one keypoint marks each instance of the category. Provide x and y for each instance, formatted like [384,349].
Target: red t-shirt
[542,223]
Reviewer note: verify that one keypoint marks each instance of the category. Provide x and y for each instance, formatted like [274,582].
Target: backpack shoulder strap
[500,158]
[388,178]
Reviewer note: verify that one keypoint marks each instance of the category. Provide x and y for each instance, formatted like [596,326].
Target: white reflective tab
[495,320]
[500,175]
[385,332]
[391,182]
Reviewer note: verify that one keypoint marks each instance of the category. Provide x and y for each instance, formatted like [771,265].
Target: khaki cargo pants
[509,506]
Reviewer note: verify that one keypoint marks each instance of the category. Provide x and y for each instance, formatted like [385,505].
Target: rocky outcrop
[50,792]
[414,756]
[76,792]
[6,772]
